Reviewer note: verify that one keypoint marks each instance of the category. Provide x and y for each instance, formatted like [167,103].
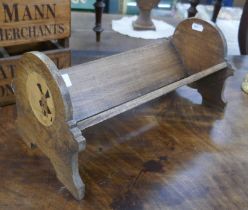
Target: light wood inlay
[40,99]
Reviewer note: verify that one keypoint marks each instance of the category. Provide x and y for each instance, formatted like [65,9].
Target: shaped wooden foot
[212,87]
[66,168]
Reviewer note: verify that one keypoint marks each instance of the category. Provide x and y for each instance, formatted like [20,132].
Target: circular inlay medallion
[40,99]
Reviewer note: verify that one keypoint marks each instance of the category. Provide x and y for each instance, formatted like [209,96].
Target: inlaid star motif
[43,102]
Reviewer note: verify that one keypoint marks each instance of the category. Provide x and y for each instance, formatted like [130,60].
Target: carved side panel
[44,107]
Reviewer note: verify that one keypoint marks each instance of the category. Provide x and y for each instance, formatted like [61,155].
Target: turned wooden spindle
[217,7]
[99,7]
[192,9]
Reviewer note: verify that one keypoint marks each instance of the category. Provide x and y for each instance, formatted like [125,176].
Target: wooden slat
[100,85]
[148,97]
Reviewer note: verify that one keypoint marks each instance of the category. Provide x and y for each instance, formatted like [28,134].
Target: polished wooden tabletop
[171,153]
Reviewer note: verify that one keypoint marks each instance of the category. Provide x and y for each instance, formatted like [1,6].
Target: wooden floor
[172,153]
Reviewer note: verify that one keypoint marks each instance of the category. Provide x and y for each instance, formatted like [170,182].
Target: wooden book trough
[58,105]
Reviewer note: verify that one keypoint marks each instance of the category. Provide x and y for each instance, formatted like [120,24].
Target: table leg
[99,7]
[243,31]
[217,7]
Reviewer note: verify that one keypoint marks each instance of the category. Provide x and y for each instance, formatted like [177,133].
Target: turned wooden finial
[192,9]
[144,21]
[99,7]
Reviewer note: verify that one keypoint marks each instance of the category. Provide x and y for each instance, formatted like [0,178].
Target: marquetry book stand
[27,25]
[58,105]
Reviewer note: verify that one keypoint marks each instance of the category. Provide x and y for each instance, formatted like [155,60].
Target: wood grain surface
[199,44]
[111,81]
[199,77]
[190,157]
[26,21]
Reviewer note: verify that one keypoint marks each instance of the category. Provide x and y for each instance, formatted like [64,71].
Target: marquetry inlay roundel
[40,99]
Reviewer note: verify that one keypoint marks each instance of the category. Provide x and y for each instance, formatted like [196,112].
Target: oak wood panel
[25,21]
[206,45]
[61,146]
[93,120]
[112,81]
